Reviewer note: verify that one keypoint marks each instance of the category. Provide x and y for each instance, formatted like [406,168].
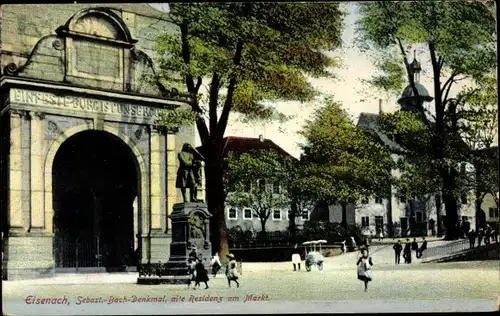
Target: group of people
[407,250]
[198,273]
[488,235]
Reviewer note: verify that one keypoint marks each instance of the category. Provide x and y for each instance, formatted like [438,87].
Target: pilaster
[37,171]
[171,177]
[15,171]
[156,179]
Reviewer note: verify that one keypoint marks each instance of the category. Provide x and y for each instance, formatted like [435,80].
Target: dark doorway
[94,186]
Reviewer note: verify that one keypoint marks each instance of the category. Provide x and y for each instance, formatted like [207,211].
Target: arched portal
[95,181]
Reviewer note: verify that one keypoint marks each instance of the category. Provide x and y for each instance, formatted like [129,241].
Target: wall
[255,225]
[488,203]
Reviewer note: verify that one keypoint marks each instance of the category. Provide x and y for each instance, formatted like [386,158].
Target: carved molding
[10,69]
[58,44]
[20,113]
[38,115]
[53,128]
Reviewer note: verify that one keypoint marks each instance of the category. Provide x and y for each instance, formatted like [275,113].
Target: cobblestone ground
[415,287]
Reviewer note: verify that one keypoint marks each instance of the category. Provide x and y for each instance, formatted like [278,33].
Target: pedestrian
[487,235]
[480,235]
[397,251]
[231,273]
[191,271]
[215,264]
[364,265]
[422,248]
[201,274]
[414,246]
[344,247]
[296,258]
[407,251]
[472,238]
[353,243]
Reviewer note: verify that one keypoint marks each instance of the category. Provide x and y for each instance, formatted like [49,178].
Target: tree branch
[213,103]
[186,56]
[221,126]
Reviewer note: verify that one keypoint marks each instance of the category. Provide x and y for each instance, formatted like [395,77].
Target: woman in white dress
[365,268]
[296,258]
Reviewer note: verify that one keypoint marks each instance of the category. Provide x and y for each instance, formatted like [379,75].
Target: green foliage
[172,120]
[268,49]
[245,175]
[459,36]
[342,162]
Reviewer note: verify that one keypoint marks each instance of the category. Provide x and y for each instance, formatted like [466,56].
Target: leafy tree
[248,56]
[343,162]
[460,41]
[252,177]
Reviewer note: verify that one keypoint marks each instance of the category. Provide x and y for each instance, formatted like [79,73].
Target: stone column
[15,171]
[171,177]
[37,171]
[155,176]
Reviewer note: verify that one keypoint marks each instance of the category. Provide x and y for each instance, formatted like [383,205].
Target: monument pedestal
[190,230]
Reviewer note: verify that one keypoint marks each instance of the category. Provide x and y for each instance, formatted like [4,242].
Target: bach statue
[189,172]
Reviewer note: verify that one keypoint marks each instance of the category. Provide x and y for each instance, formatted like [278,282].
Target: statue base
[190,231]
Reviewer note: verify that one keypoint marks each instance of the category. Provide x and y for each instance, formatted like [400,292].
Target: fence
[447,249]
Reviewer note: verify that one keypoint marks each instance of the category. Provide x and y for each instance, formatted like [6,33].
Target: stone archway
[140,216]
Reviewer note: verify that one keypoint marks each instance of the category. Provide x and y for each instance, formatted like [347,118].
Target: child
[201,274]
[231,271]
[365,268]
[191,271]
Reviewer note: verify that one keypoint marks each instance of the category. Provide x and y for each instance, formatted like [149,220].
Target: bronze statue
[189,172]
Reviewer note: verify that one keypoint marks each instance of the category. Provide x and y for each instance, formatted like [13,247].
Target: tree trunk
[216,205]
[291,220]
[263,222]
[439,206]
[452,227]
[344,214]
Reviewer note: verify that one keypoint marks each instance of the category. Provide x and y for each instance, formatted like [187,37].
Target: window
[289,214]
[247,213]
[247,187]
[365,200]
[276,188]
[378,200]
[277,215]
[420,217]
[463,198]
[305,215]
[379,224]
[493,212]
[232,214]
[365,221]
[261,184]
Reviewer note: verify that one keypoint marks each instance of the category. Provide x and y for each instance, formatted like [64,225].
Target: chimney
[261,138]
[380,106]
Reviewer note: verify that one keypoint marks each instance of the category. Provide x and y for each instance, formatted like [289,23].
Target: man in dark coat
[397,251]
[201,274]
[407,251]
[414,246]
[472,238]
[422,248]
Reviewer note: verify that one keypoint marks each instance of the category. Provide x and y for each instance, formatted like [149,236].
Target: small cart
[313,254]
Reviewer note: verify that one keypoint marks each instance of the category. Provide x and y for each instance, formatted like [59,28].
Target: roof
[247,144]
[370,123]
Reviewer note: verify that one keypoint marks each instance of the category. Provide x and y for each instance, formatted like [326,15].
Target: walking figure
[201,274]
[472,238]
[192,271]
[414,246]
[422,248]
[296,258]
[397,251]
[344,247]
[407,251]
[231,271]
[364,265]
[215,264]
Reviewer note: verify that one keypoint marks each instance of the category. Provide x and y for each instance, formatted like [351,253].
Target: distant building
[245,217]
[392,216]
[488,211]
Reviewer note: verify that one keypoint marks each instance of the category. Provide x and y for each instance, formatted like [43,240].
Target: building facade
[244,218]
[87,181]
